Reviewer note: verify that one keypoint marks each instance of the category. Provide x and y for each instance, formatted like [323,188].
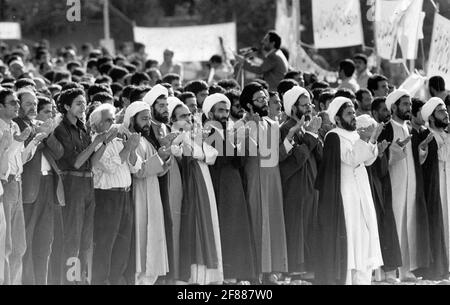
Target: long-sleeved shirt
[110,172]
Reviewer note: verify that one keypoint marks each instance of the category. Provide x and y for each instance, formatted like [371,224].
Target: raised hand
[133,140]
[382,147]
[165,153]
[298,128]
[424,144]
[46,127]
[403,143]
[111,134]
[24,135]
[366,133]
[167,140]
[40,136]
[314,125]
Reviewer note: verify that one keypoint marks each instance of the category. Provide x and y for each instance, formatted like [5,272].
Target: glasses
[307,105]
[261,99]
[13,103]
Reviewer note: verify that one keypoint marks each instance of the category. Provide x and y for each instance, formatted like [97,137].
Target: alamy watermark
[73,14]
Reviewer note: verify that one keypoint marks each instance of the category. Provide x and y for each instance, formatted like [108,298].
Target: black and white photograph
[240,144]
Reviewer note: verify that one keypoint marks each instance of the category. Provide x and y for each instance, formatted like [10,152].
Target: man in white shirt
[11,181]
[346,73]
[113,221]
[362,72]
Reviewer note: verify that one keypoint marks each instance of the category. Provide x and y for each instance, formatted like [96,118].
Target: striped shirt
[110,172]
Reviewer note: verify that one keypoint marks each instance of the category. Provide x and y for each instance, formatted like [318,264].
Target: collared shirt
[110,172]
[363,79]
[349,83]
[74,139]
[18,154]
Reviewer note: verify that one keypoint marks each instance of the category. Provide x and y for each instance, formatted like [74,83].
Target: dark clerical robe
[298,171]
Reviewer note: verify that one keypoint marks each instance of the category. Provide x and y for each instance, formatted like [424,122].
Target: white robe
[403,180]
[363,243]
[152,258]
[443,141]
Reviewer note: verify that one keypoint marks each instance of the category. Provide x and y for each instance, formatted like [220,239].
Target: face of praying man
[275,105]
[366,103]
[440,117]
[403,109]
[106,122]
[141,123]
[11,107]
[78,107]
[236,110]
[28,106]
[220,113]
[201,96]
[383,89]
[161,110]
[303,107]
[260,103]
[46,113]
[383,115]
[182,119]
[191,103]
[347,120]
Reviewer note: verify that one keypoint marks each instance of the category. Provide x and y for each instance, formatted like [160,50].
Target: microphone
[248,51]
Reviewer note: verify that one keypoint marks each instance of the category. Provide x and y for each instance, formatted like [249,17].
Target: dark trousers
[39,234]
[113,227]
[78,224]
[55,267]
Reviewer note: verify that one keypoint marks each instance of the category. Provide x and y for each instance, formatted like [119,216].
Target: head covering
[334,107]
[173,103]
[291,97]
[394,97]
[365,121]
[132,110]
[151,96]
[430,107]
[214,99]
[16,62]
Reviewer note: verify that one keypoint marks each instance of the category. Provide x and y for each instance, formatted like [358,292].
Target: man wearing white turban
[436,168]
[408,201]
[300,153]
[152,259]
[348,248]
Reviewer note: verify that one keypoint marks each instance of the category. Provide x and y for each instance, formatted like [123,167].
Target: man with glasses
[19,154]
[301,152]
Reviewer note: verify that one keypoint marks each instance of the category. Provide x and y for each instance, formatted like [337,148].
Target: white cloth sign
[439,63]
[190,43]
[287,26]
[398,22]
[337,23]
[308,65]
[10,30]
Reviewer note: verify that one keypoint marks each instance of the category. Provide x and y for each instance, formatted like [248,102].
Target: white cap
[151,96]
[394,97]
[334,107]
[132,110]
[291,97]
[173,103]
[214,99]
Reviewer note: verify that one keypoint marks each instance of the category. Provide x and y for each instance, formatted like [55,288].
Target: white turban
[214,99]
[394,97]
[430,107]
[132,110]
[151,96]
[365,121]
[173,103]
[334,107]
[291,97]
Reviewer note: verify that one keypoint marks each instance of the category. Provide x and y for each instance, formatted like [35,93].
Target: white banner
[308,65]
[337,23]
[10,30]
[398,22]
[190,44]
[439,58]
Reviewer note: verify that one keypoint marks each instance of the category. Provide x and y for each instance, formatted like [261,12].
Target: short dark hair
[71,85]
[116,88]
[233,95]
[117,73]
[216,89]
[97,88]
[139,77]
[169,78]
[362,57]
[137,93]
[347,93]
[67,97]
[376,104]
[372,83]
[343,107]
[275,38]
[218,59]
[42,101]
[60,76]
[149,63]
[24,82]
[73,64]
[92,63]
[320,85]
[102,97]
[292,74]
[437,83]
[196,86]
[105,68]
[103,60]
[104,79]
[285,85]
[447,100]
[325,96]
[359,94]
[185,95]
[4,93]
[348,66]
[229,84]
[131,68]
[417,105]
[262,82]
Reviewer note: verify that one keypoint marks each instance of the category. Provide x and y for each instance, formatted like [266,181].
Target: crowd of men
[113,173]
